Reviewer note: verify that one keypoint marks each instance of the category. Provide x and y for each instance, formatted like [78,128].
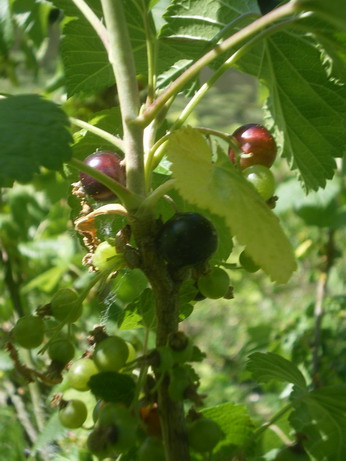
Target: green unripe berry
[247,262]
[262,179]
[80,373]
[61,350]
[66,305]
[214,284]
[204,434]
[28,332]
[111,354]
[104,256]
[73,414]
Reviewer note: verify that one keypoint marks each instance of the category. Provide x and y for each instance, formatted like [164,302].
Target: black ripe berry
[187,239]
[107,163]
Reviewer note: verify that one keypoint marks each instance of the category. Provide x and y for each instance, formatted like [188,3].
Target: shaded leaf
[44,139]
[113,387]
[321,418]
[234,421]
[268,366]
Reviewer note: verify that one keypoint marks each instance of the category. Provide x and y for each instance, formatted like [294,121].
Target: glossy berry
[256,140]
[214,284]
[65,305]
[262,179]
[73,414]
[204,434]
[247,262]
[61,350]
[104,256]
[108,163]
[28,332]
[111,354]
[187,239]
[80,373]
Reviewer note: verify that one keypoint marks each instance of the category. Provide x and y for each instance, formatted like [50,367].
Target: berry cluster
[258,152]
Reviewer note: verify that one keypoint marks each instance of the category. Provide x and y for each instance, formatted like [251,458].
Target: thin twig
[319,311]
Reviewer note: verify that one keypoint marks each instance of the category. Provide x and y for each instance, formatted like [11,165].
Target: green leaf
[85,59]
[333,10]
[234,421]
[33,134]
[113,387]
[221,189]
[309,108]
[12,437]
[268,366]
[193,28]
[321,419]
[86,64]
[138,313]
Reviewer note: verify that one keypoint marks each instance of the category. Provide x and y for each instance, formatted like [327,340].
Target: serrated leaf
[113,387]
[221,189]
[85,59]
[86,64]
[193,28]
[234,421]
[309,108]
[268,366]
[321,418]
[33,134]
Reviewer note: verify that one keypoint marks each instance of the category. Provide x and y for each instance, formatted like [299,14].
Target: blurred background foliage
[41,253]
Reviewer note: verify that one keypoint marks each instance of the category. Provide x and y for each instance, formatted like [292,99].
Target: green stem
[222,69]
[93,20]
[117,142]
[273,420]
[150,41]
[150,202]
[122,60]
[235,40]
[130,200]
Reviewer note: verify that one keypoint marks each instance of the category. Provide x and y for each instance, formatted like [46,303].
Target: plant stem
[93,20]
[130,200]
[319,311]
[222,69]
[273,420]
[237,38]
[122,60]
[150,40]
[166,292]
[117,142]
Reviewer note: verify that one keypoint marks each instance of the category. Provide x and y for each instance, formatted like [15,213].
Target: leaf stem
[94,21]
[319,310]
[273,420]
[222,69]
[117,142]
[150,41]
[122,60]
[236,39]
